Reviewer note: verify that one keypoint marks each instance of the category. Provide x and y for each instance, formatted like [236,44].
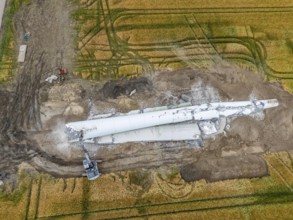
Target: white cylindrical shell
[174,132]
[113,125]
[136,120]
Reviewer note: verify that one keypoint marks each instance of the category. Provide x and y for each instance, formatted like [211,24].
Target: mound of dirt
[217,169]
[68,92]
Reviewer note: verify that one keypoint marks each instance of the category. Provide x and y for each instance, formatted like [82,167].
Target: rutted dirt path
[49,46]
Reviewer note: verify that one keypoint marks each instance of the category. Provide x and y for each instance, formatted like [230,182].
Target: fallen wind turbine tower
[177,123]
[184,122]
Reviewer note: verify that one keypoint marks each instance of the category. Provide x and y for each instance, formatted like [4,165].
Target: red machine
[62,72]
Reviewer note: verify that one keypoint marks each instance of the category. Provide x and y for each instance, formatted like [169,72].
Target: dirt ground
[33,123]
[50,45]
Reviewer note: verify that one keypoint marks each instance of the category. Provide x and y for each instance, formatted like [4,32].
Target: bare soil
[33,121]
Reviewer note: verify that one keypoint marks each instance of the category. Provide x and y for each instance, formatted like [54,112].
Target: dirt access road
[33,123]
[2,6]
[49,46]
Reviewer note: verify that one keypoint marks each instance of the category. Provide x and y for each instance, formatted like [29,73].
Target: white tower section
[137,122]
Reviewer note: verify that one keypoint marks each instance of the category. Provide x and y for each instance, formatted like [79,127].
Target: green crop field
[126,38]
[154,195]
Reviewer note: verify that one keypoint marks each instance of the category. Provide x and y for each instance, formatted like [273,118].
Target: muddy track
[22,116]
[21,113]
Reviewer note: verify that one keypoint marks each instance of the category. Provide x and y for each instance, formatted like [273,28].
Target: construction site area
[174,109]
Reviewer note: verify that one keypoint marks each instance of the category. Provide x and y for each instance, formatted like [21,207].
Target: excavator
[89,165]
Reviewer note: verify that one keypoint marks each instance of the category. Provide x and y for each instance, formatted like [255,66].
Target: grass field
[122,38]
[155,195]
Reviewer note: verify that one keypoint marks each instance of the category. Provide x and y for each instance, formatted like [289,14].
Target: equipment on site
[89,165]
[51,78]
[26,36]
[22,53]
[61,73]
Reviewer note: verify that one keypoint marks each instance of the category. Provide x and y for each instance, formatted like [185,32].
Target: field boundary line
[281,177]
[275,194]
[204,209]
[28,199]
[38,199]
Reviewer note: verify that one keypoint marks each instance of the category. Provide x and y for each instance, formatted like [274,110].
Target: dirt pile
[217,169]
[68,92]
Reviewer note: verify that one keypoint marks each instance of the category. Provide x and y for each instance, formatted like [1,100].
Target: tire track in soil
[36,214]
[20,114]
[283,179]
[28,199]
[203,209]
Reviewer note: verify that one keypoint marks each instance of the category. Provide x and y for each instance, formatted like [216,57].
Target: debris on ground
[51,78]
[26,36]
[22,53]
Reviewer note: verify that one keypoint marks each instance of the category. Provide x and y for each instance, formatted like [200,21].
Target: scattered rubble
[51,78]
[217,169]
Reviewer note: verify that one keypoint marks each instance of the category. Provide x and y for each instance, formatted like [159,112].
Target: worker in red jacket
[62,72]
